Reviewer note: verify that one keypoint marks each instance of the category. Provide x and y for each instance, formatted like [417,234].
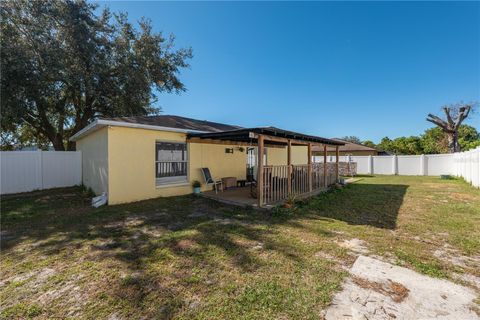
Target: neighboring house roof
[385,153]
[347,147]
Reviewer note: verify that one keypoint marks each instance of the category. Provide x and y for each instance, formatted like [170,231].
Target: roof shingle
[177,122]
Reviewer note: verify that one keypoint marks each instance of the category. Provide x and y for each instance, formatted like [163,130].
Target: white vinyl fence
[462,164]
[23,171]
[467,165]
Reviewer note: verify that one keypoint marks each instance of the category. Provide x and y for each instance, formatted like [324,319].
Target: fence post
[395,164]
[422,165]
[456,165]
[478,167]
[40,168]
[370,165]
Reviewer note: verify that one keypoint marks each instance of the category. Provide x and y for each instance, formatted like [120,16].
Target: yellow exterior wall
[131,164]
[278,156]
[221,164]
[299,154]
[94,149]
[121,161]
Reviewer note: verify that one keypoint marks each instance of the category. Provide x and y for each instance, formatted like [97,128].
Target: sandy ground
[379,290]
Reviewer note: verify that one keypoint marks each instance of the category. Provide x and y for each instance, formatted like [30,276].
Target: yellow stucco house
[137,158]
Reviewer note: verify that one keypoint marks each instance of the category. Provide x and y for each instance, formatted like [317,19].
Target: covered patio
[273,184]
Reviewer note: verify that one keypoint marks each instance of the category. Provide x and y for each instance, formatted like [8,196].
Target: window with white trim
[171,162]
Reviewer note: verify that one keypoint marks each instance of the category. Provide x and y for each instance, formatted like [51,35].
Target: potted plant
[196,186]
[290,202]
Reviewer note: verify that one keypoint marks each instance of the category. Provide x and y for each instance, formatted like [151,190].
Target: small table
[229,182]
[241,183]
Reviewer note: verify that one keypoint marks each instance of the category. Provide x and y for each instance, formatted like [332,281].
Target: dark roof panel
[215,130]
[244,135]
[176,122]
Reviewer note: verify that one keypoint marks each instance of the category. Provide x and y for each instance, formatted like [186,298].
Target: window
[170,162]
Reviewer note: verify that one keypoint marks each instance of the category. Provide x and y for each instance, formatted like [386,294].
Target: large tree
[455,114]
[432,141]
[63,65]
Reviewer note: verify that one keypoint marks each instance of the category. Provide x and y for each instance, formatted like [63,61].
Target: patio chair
[211,181]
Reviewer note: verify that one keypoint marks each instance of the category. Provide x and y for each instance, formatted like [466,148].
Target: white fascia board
[99,123]
[90,128]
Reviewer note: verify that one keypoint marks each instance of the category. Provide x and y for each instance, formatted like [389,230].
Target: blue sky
[369,69]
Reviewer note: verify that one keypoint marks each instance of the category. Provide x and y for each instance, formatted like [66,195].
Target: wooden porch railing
[277,186]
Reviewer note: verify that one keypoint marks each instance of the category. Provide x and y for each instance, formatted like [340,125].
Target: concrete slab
[366,295]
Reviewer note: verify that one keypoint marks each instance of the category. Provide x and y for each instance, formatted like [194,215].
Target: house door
[252,155]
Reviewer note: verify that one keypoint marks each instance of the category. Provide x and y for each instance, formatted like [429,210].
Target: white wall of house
[23,171]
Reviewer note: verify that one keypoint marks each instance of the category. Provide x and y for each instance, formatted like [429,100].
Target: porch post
[325,165]
[289,166]
[337,155]
[260,146]
[310,177]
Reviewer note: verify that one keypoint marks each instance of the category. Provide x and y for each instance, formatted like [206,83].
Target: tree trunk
[456,146]
[452,138]
[71,146]
[58,144]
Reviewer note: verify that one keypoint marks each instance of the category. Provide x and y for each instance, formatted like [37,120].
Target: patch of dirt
[379,290]
[186,244]
[134,221]
[154,232]
[18,278]
[194,302]
[114,316]
[456,258]
[443,187]
[108,244]
[128,222]
[52,295]
[344,264]
[258,246]
[468,279]
[326,256]
[356,245]
[35,278]
[461,196]
[229,221]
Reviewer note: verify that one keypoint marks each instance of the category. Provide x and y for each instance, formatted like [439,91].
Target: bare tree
[455,114]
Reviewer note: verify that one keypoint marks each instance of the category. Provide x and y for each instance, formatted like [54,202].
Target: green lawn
[187,257]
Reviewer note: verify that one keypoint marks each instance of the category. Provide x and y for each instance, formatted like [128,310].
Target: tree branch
[462,115]
[446,110]
[438,121]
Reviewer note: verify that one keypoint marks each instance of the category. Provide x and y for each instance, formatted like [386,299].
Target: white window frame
[173,180]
